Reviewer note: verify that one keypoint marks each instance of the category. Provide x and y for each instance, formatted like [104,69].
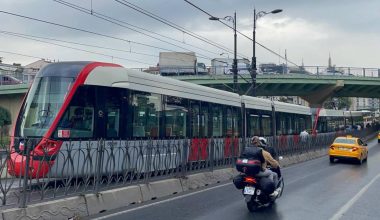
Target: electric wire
[24,55]
[130,26]
[81,44]
[78,49]
[175,26]
[261,45]
[118,22]
[84,30]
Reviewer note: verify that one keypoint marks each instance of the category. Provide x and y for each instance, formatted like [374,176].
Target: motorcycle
[254,188]
[255,197]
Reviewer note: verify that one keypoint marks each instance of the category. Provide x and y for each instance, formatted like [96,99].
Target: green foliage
[343,103]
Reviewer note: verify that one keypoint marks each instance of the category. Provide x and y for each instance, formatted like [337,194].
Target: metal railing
[92,166]
[276,69]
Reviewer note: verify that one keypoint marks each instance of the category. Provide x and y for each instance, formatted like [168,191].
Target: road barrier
[90,167]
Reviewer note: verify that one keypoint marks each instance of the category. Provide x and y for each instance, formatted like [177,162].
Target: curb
[58,209]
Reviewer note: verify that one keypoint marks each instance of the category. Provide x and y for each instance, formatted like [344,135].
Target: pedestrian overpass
[313,88]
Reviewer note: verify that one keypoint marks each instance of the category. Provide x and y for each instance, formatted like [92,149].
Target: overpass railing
[92,166]
[275,69]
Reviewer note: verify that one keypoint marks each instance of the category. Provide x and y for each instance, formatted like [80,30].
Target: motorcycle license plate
[248,190]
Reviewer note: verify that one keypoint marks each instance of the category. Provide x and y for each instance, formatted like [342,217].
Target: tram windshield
[42,104]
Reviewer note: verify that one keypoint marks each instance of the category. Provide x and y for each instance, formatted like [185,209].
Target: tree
[5,119]
[337,103]
[344,103]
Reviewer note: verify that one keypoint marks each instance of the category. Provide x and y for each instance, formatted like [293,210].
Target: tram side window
[176,112]
[254,125]
[195,118]
[266,125]
[289,124]
[302,124]
[229,122]
[78,120]
[204,120]
[217,119]
[282,124]
[146,108]
[113,105]
[235,122]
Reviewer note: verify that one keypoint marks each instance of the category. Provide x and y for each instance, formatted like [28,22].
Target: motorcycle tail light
[250,180]
[253,162]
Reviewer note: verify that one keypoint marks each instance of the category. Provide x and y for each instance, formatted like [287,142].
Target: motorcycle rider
[256,151]
[271,150]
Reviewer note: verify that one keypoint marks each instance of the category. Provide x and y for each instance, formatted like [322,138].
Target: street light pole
[234,64]
[235,54]
[254,65]
[254,68]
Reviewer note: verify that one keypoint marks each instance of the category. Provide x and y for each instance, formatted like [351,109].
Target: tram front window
[42,104]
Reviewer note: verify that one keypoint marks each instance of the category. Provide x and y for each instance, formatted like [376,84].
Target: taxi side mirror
[365,144]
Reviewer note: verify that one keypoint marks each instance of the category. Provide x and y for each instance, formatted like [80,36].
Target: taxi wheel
[360,161]
[332,159]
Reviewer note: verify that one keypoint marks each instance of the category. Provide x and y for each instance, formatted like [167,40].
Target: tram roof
[331,113]
[291,108]
[146,82]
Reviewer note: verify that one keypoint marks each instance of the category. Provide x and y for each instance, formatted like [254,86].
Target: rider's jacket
[257,153]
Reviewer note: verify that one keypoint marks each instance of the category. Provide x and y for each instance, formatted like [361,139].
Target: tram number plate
[248,190]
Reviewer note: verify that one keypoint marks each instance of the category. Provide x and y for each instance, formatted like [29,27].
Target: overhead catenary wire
[244,35]
[132,27]
[121,24]
[85,31]
[28,36]
[78,49]
[175,26]
[24,55]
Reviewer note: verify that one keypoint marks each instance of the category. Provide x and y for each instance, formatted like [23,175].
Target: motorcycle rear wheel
[252,206]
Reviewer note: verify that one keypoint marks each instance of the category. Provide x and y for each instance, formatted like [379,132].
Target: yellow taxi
[348,148]
[378,137]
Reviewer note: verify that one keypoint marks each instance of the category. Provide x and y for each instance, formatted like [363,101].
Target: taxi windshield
[344,141]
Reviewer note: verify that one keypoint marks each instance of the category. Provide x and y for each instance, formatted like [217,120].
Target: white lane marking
[352,201]
[160,202]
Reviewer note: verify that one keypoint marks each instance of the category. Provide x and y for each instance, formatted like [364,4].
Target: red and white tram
[72,102]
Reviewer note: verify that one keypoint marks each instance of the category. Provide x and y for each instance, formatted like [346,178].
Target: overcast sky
[308,30]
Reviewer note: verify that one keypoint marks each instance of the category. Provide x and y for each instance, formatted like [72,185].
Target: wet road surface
[313,190]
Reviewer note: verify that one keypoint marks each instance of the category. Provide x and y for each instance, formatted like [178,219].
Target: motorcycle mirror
[280,157]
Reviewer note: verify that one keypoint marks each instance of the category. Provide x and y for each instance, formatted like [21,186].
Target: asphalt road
[313,190]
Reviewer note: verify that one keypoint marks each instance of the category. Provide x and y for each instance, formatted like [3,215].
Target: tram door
[107,112]
[99,115]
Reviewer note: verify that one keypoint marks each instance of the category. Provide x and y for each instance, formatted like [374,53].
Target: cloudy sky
[308,30]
